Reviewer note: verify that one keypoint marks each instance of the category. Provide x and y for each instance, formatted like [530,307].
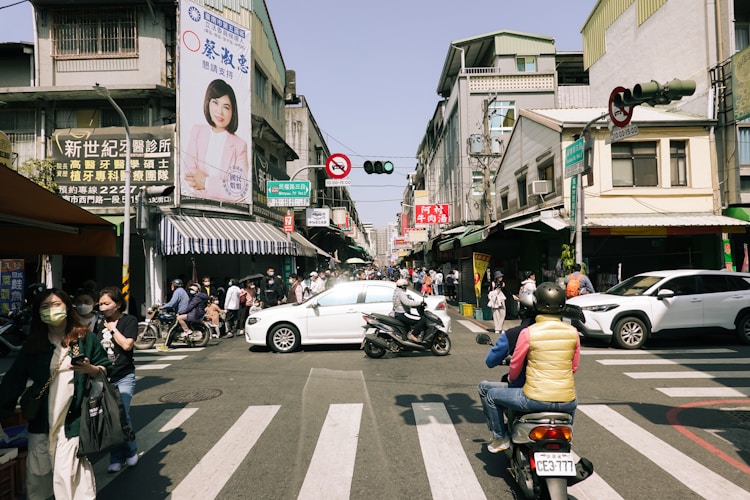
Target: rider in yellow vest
[549,351]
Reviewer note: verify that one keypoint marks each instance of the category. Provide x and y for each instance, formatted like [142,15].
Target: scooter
[542,462]
[385,333]
[163,324]
[14,330]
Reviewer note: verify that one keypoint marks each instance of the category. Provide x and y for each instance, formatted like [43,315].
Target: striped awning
[181,235]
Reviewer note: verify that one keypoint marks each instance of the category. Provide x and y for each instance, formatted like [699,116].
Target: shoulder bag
[104,424]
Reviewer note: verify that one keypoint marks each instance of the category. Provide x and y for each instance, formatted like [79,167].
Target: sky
[370,70]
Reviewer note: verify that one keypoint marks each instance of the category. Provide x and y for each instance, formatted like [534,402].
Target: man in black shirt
[273,291]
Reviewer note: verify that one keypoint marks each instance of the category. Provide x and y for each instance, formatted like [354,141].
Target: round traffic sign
[620,116]
[338,166]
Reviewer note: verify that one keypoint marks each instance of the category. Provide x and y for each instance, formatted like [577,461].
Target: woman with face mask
[56,335]
[117,335]
[84,302]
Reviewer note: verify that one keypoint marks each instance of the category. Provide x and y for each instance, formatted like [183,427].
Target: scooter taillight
[440,307]
[551,432]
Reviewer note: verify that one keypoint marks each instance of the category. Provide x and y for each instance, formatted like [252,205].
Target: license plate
[554,464]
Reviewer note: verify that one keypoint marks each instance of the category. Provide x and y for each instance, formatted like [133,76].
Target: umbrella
[251,277]
[354,260]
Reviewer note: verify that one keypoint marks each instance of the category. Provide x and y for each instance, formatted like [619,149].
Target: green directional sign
[574,158]
[288,193]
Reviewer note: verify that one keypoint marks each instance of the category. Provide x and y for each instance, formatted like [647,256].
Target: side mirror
[665,293]
[313,304]
[483,339]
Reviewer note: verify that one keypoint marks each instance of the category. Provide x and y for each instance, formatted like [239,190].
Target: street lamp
[104,92]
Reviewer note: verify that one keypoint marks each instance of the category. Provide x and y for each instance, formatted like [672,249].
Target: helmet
[401,282]
[526,304]
[178,283]
[549,298]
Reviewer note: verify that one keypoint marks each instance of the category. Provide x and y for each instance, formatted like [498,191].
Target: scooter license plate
[554,464]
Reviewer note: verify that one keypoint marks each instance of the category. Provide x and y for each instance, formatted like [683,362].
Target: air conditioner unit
[540,187]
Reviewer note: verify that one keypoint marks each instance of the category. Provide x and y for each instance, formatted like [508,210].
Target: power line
[12,4]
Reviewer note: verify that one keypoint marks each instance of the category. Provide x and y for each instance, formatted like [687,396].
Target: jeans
[514,399]
[126,385]
[491,412]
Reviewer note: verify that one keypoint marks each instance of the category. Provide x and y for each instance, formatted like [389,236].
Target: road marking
[159,358]
[705,392]
[332,465]
[688,374]
[153,366]
[643,352]
[695,476]
[473,327]
[593,487]
[212,472]
[147,437]
[685,361]
[448,470]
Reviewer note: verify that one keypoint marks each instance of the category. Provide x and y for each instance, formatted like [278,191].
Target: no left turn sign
[338,166]
[620,116]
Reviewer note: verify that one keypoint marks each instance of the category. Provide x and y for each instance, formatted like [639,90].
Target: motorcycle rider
[401,299]
[195,311]
[549,351]
[498,353]
[180,299]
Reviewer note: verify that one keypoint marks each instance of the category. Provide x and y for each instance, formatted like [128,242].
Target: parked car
[657,302]
[331,317]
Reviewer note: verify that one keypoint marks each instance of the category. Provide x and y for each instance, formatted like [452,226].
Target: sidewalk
[455,313]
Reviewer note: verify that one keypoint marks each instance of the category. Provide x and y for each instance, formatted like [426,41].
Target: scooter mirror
[484,339]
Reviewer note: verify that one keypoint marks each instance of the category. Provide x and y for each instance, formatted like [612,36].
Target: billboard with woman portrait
[214,107]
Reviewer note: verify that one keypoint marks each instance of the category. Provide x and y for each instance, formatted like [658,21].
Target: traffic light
[378,167]
[654,93]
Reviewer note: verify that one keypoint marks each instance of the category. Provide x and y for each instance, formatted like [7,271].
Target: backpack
[573,288]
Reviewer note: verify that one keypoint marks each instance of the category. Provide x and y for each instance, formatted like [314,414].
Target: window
[744,145]
[20,126]
[378,293]
[678,161]
[634,164]
[111,118]
[504,202]
[502,117]
[477,184]
[683,285]
[260,84]
[277,105]
[741,35]
[81,33]
[526,64]
[522,196]
[546,172]
[340,296]
[714,283]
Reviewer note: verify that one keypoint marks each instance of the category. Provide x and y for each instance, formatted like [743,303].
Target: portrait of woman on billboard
[214,160]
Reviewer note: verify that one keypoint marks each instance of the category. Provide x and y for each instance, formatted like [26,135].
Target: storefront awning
[553,221]
[450,243]
[181,234]
[742,213]
[308,248]
[664,225]
[477,236]
[34,220]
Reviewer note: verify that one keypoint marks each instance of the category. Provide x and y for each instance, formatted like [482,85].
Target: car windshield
[635,285]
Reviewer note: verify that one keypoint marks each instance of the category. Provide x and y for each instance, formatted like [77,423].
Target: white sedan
[331,317]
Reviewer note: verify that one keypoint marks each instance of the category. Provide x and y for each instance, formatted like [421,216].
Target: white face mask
[84,309]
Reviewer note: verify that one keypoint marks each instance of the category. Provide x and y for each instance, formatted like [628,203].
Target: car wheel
[441,346]
[374,351]
[743,329]
[284,338]
[630,333]
[147,335]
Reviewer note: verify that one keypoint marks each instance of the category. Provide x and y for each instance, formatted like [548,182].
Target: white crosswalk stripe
[681,361]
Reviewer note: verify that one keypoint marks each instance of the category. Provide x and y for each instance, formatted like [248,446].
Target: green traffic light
[387,167]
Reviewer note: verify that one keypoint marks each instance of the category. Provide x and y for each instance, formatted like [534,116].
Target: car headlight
[601,308]
[252,320]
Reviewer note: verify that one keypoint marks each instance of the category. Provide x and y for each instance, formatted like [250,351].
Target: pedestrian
[578,283]
[294,295]
[438,283]
[117,337]
[56,332]
[247,297]
[427,284]
[214,314]
[232,308]
[85,302]
[273,292]
[528,285]
[496,301]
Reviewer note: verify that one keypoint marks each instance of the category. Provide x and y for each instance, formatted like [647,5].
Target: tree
[567,258]
[41,172]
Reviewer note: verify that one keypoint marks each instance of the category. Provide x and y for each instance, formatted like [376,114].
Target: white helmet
[402,283]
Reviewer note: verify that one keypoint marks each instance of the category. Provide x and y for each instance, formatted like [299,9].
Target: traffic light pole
[580,212]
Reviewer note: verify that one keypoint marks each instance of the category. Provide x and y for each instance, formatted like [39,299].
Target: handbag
[31,399]
[104,423]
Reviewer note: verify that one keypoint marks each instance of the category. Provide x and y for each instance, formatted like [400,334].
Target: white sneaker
[498,444]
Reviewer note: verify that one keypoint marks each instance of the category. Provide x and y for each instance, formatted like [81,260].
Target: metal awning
[547,217]
[181,234]
[448,244]
[308,248]
[664,224]
[477,236]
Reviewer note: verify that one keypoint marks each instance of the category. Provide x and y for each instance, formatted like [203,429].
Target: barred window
[78,33]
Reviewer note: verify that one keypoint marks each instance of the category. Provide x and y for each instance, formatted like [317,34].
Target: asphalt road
[672,421]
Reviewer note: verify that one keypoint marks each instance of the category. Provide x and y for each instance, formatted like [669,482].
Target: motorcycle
[163,324]
[390,335]
[14,330]
[542,463]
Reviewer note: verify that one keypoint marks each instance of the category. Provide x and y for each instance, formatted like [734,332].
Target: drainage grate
[190,395]
[743,416]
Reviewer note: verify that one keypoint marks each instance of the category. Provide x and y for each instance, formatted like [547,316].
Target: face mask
[206,283]
[54,316]
[84,308]
[270,274]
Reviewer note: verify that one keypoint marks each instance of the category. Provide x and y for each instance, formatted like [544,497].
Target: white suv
[664,301]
